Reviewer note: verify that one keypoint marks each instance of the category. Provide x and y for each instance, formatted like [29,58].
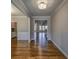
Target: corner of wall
[59,48]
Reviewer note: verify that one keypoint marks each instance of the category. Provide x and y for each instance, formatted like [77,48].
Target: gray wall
[23,27]
[49,29]
[31,29]
[60,29]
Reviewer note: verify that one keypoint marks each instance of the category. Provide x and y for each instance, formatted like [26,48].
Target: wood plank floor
[32,50]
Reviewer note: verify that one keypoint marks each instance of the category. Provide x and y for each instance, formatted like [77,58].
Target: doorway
[40,30]
[13,30]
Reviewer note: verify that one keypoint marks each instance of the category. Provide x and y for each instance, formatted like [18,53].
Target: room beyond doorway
[40,30]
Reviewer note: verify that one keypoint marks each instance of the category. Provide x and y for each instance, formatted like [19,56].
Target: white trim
[60,49]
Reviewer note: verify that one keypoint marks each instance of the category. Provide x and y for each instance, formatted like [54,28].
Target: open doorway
[13,30]
[40,30]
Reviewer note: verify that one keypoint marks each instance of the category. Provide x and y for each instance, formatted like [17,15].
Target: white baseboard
[60,49]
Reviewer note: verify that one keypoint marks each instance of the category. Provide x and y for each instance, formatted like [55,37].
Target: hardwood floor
[32,50]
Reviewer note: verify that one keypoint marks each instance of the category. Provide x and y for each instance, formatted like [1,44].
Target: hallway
[30,50]
[39,29]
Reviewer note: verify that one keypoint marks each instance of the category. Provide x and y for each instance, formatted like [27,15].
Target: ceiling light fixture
[42,4]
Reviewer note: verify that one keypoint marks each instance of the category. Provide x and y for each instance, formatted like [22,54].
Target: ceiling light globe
[42,6]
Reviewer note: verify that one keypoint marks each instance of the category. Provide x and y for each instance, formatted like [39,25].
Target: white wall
[60,29]
[23,27]
[41,17]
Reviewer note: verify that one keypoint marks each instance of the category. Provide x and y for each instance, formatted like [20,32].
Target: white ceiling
[15,11]
[33,8]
